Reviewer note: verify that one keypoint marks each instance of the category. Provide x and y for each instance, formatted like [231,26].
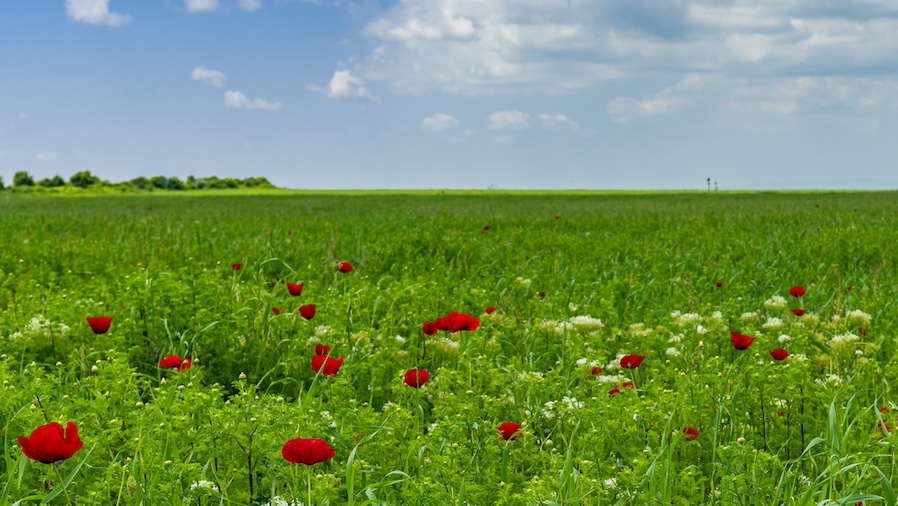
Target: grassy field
[578,280]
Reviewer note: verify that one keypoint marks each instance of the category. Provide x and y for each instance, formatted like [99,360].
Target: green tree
[141,183]
[160,182]
[83,179]
[1,183]
[22,178]
[53,182]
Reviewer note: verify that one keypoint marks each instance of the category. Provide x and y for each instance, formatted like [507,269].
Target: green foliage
[617,274]
[22,178]
[83,179]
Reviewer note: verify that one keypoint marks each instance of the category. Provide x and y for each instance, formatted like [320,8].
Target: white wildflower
[783,339]
[749,316]
[858,317]
[523,282]
[572,403]
[775,303]
[700,330]
[674,339]
[400,340]
[772,323]
[572,307]
[322,331]
[672,352]
[611,483]
[842,339]
[581,362]
[613,378]
[586,323]
[203,484]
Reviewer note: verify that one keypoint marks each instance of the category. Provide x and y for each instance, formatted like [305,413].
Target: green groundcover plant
[428,348]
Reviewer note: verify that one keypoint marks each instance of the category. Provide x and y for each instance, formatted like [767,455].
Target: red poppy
[490,310]
[100,324]
[485,229]
[542,295]
[429,328]
[276,311]
[50,443]
[718,284]
[236,267]
[596,370]
[884,409]
[307,451]
[797,291]
[176,362]
[690,433]
[798,312]
[741,342]
[326,365]
[416,378]
[863,332]
[294,288]
[509,430]
[628,384]
[345,267]
[462,321]
[322,350]
[614,391]
[307,311]
[557,217]
[849,288]
[779,354]
[632,361]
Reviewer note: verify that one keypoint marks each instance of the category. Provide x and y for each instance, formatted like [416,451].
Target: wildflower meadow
[439,348]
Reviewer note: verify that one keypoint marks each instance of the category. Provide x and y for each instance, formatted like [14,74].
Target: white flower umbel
[672,352]
[783,339]
[775,303]
[841,339]
[772,323]
[749,316]
[858,317]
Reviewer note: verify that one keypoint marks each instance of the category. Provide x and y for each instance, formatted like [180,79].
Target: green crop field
[580,282]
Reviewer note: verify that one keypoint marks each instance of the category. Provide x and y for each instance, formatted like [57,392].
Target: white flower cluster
[578,323]
[749,316]
[322,331]
[777,302]
[41,327]
[684,319]
[613,378]
[858,317]
[639,330]
[523,282]
[783,339]
[672,352]
[772,323]
[842,339]
[280,501]
[203,484]
[572,403]
[675,338]
[615,363]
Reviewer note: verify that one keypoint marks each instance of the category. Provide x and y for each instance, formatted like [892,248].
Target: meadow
[578,285]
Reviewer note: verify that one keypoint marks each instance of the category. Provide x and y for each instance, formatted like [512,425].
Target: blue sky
[549,94]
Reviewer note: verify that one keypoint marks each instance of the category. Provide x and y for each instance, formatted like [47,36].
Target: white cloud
[94,12]
[539,46]
[46,157]
[508,120]
[344,85]
[238,100]
[439,123]
[211,77]
[556,122]
[250,5]
[201,5]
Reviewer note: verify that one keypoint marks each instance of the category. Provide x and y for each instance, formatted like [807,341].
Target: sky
[529,94]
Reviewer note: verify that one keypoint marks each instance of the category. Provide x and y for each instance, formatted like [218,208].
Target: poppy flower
[307,451]
[628,384]
[276,311]
[100,324]
[322,350]
[849,288]
[779,354]
[690,433]
[326,366]
[416,378]
[542,295]
[632,361]
[596,370]
[486,229]
[797,291]
[614,391]
[490,310]
[718,284]
[741,342]
[557,217]
[509,430]
[236,267]
[798,312]
[462,321]
[50,443]
[294,288]
[345,267]
[863,332]
[176,362]
[429,328]
[307,311]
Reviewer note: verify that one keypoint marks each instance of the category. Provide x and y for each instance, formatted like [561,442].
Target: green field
[614,274]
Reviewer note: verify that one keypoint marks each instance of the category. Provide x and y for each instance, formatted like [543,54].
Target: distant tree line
[84,179]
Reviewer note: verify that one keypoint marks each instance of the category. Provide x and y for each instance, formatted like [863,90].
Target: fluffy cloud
[249,5]
[238,100]
[46,157]
[517,120]
[539,46]
[201,5]
[439,123]
[344,85]
[94,12]
[208,76]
